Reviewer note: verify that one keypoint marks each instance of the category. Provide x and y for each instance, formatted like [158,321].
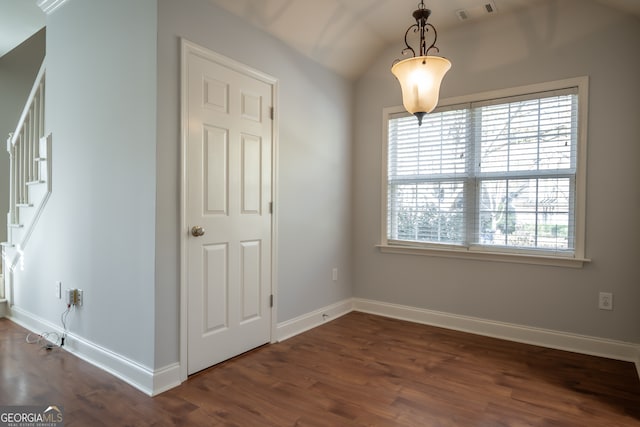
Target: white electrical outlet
[605,301]
[334,274]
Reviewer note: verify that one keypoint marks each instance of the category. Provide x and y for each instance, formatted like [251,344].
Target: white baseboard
[154,382]
[148,381]
[618,350]
[300,324]
[166,378]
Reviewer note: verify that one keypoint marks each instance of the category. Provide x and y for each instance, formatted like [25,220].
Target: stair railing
[23,146]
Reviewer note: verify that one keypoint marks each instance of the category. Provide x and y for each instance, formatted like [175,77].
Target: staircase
[29,182]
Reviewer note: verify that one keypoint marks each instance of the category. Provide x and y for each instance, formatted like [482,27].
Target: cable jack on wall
[74,297]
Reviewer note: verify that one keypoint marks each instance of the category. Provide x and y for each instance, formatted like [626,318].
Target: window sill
[556,261]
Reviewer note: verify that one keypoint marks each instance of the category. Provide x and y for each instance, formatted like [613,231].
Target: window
[497,173]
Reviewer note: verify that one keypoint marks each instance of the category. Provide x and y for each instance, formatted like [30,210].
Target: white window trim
[577,260]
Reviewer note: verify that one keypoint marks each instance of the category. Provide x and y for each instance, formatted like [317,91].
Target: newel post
[11,216]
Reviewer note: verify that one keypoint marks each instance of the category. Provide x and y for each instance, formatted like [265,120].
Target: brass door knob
[197,231]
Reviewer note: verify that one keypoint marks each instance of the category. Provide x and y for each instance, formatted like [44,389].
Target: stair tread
[16,225]
[7,244]
[24,205]
[36,182]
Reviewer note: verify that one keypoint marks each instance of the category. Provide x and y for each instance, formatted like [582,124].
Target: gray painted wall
[111,226]
[97,231]
[551,41]
[315,136]
[18,70]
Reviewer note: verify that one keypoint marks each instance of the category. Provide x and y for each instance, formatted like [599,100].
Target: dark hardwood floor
[354,371]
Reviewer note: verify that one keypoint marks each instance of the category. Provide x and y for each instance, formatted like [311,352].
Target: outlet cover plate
[605,301]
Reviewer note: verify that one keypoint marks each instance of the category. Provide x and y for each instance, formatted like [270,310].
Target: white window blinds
[498,173]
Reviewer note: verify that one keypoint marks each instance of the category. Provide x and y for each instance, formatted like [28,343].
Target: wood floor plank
[358,370]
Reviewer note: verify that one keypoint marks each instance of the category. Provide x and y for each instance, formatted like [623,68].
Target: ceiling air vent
[484,9]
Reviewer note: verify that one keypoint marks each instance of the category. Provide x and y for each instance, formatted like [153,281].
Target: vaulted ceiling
[343,35]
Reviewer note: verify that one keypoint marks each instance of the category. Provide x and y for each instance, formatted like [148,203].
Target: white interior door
[229,188]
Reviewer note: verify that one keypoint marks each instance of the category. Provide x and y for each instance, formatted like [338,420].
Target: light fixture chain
[421,27]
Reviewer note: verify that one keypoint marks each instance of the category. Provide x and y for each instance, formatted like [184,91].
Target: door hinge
[270,207]
[271,300]
[271,113]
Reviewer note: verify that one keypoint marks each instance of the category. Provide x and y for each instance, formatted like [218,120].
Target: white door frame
[188,48]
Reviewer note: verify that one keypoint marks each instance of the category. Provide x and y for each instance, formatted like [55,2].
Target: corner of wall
[300,324]
[165,378]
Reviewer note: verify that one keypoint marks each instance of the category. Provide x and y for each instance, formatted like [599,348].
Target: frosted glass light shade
[420,80]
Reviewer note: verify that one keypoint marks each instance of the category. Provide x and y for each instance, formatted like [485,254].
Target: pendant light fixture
[420,76]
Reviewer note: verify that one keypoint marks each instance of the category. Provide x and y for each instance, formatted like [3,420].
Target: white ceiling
[19,20]
[343,35]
